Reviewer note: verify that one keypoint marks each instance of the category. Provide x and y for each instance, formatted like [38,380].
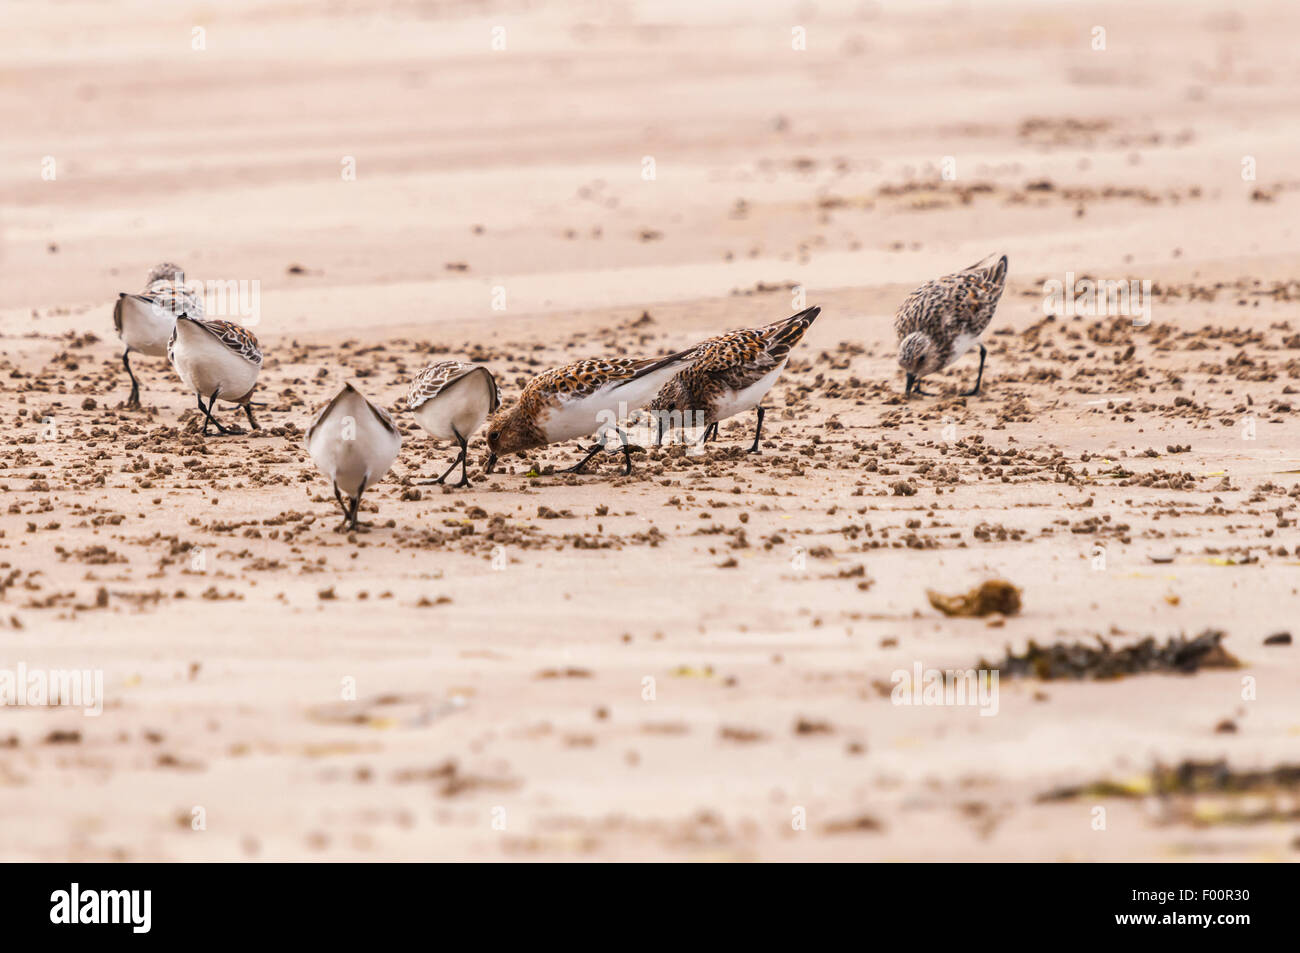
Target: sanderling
[450,400]
[578,399]
[941,320]
[354,443]
[216,359]
[732,373]
[145,321]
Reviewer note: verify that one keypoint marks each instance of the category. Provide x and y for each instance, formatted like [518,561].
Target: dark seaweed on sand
[1187,778]
[1078,661]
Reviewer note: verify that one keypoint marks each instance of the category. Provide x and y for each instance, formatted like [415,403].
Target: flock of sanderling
[355,443]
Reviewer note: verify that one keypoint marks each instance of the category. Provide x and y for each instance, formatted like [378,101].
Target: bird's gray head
[917,354]
[166,272]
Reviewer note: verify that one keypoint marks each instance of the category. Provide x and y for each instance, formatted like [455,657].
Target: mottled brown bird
[145,321]
[944,318]
[354,443]
[216,359]
[450,400]
[731,374]
[578,399]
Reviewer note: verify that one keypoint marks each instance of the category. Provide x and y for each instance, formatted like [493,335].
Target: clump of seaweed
[995,595]
[1215,777]
[1079,661]
[1203,793]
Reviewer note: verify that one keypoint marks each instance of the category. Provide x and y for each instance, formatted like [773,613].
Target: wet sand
[500,639]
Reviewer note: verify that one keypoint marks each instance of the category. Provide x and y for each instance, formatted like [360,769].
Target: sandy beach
[694,662]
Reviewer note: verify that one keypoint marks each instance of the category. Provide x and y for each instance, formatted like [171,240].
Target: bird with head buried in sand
[216,359]
[354,443]
[944,318]
[731,374]
[145,321]
[578,399]
[450,400]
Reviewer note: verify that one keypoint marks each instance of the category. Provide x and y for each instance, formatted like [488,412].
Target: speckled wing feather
[169,297]
[236,337]
[435,378]
[960,303]
[772,345]
[733,361]
[737,358]
[175,297]
[583,378]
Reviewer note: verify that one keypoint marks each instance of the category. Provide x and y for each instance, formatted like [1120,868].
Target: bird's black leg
[248,409]
[715,432]
[356,502]
[343,506]
[208,414]
[446,472]
[627,454]
[913,387]
[464,458]
[659,437]
[577,468]
[459,458]
[758,431]
[974,391]
[134,399]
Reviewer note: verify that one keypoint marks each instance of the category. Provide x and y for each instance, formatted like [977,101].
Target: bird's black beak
[492,462]
[911,379]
